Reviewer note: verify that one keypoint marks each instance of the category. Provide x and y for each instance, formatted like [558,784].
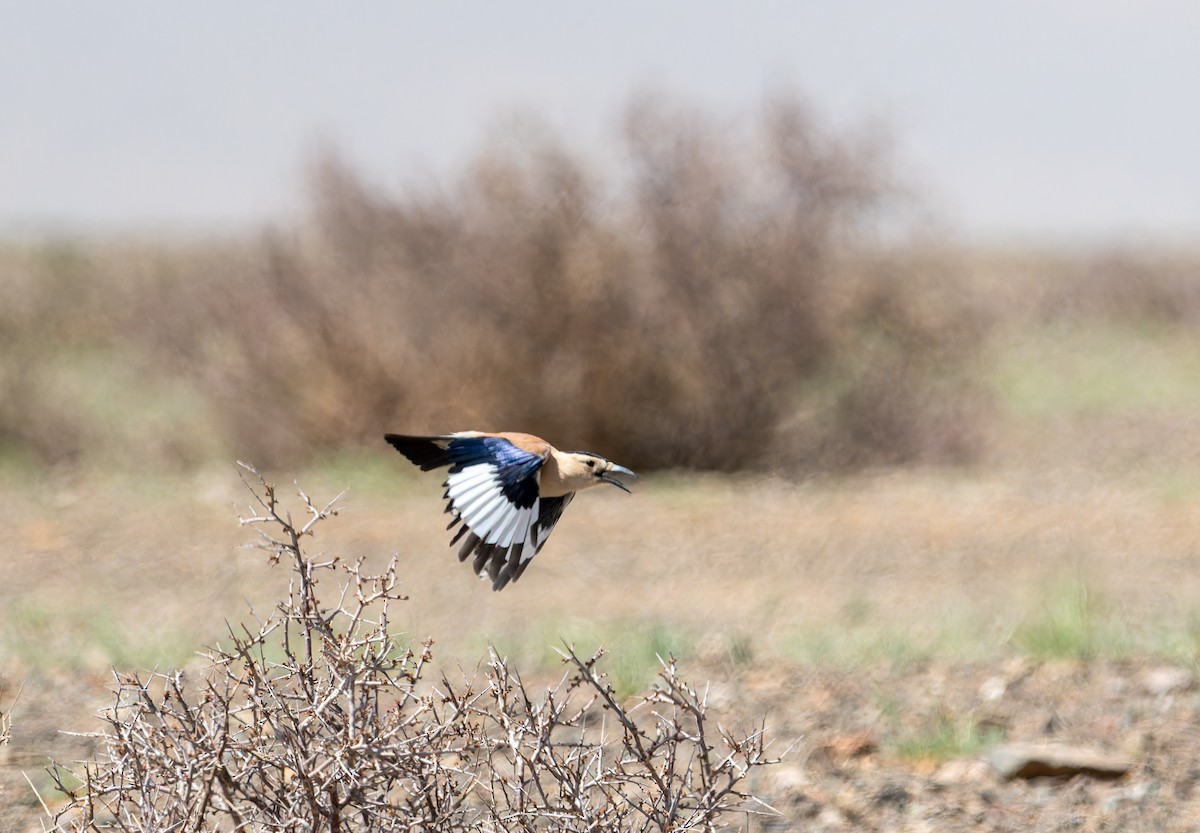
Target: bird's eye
[591,464]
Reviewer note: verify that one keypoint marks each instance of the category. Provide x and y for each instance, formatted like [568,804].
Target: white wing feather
[477,497]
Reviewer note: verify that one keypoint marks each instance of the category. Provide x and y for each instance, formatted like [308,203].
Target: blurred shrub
[1128,285]
[1132,285]
[29,318]
[725,303]
[77,381]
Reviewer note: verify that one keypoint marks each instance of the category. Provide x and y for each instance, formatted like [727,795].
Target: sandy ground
[771,587]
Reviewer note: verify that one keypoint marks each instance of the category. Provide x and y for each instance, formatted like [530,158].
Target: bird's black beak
[613,467]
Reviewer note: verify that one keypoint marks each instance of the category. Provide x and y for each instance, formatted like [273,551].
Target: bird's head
[582,469]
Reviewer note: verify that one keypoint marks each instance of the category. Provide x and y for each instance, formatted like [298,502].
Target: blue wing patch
[514,468]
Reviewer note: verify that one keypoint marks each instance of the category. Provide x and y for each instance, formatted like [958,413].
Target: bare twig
[6,716]
[318,720]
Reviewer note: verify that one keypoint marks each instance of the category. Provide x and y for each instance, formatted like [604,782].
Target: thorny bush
[320,720]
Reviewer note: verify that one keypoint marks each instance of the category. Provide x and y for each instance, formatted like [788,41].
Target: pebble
[961,771]
[1166,680]
[992,689]
[1134,794]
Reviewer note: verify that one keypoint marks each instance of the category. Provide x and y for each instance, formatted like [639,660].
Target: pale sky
[1019,120]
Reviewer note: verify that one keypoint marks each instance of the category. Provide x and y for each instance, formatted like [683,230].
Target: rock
[1186,785]
[1115,686]
[829,819]
[1038,759]
[992,689]
[1167,680]
[961,771]
[790,778]
[1134,794]
[852,804]
[893,794]
[842,748]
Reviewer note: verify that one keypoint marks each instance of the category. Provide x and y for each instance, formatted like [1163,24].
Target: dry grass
[751,567]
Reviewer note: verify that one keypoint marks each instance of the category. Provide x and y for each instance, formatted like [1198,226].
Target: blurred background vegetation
[736,296]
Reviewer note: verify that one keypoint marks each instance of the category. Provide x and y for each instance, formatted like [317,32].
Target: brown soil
[926,555]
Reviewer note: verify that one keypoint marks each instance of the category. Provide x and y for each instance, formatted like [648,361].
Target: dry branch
[320,720]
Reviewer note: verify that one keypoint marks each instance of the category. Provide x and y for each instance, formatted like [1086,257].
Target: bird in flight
[507,491]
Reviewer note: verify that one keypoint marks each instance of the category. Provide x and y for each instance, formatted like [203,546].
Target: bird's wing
[428,452]
[551,510]
[492,490]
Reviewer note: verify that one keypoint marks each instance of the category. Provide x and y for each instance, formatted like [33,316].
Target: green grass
[379,471]
[19,468]
[1066,619]
[131,414]
[37,633]
[1178,487]
[860,637]
[1180,643]
[1072,622]
[944,737]
[42,786]
[853,647]
[1098,369]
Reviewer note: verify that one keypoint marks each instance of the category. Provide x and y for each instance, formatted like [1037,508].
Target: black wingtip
[502,575]
[427,452]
